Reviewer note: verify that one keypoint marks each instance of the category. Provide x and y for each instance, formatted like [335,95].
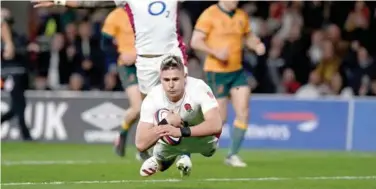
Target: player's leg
[218,84]
[240,93]
[184,165]
[127,75]
[161,160]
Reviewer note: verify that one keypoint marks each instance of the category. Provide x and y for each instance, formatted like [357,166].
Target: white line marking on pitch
[197,180]
[52,162]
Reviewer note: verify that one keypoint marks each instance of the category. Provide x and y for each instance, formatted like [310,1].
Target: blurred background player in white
[220,32]
[194,116]
[156,33]
[155,26]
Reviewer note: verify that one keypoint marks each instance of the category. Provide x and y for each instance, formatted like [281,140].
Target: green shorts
[222,83]
[127,75]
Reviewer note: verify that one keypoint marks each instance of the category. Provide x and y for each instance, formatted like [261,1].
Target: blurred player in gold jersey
[118,32]
[220,32]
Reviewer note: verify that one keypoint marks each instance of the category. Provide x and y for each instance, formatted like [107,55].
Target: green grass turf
[325,170]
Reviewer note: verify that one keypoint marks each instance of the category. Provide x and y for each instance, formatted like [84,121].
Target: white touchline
[373,177]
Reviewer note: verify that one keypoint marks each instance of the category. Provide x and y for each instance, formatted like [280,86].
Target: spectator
[315,51]
[91,74]
[110,83]
[312,89]
[55,63]
[76,82]
[329,64]
[290,85]
[360,75]
[40,83]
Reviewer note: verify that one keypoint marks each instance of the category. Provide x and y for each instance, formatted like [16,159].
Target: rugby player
[191,102]
[220,32]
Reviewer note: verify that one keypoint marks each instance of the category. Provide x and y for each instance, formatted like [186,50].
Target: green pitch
[70,166]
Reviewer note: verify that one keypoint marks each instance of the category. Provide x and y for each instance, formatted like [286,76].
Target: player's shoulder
[114,14]
[194,84]
[242,13]
[213,9]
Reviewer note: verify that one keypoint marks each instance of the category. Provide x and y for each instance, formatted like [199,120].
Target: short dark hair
[172,62]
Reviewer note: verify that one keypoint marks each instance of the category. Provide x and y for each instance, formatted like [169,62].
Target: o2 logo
[157,8]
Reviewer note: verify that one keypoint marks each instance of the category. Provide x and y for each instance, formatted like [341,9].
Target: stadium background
[315,91]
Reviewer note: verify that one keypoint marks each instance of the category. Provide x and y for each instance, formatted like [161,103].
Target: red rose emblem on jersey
[188,107]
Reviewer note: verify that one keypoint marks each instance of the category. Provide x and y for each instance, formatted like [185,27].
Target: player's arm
[202,28]
[109,31]
[146,136]
[212,124]
[75,3]
[254,43]
[251,40]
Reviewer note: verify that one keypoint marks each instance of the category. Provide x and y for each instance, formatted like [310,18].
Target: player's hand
[260,49]
[128,59]
[174,119]
[42,3]
[168,130]
[221,54]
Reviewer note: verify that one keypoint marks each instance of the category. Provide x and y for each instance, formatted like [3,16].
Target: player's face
[173,82]
[231,5]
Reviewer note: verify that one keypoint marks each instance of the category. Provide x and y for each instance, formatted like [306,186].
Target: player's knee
[210,153]
[140,146]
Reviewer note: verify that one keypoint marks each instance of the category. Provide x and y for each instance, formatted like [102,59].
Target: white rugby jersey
[155,25]
[198,99]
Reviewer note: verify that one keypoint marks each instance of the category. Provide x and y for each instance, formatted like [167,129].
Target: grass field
[71,166]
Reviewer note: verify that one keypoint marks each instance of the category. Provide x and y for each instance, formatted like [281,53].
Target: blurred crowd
[313,48]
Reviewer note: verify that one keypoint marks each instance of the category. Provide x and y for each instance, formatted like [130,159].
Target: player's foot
[119,145]
[184,165]
[149,167]
[235,161]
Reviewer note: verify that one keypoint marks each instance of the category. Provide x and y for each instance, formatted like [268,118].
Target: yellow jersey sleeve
[110,25]
[247,27]
[204,22]
[125,42]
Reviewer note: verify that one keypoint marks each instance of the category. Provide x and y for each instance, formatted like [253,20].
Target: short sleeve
[147,110]
[204,22]
[206,98]
[109,25]
[247,27]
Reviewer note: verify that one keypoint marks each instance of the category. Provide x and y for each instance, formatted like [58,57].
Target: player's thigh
[134,96]
[240,94]
[219,84]
[147,73]
[127,75]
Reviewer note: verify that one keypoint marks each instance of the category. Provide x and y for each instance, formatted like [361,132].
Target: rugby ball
[159,116]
